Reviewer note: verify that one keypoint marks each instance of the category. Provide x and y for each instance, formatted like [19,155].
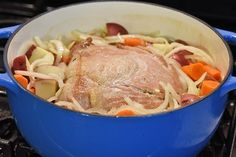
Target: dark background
[220,13]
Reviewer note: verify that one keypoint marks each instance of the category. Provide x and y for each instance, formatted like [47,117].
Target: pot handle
[7,31]
[230,37]
[6,82]
[229,85]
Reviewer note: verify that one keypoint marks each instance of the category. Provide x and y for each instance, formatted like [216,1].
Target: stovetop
[218,14]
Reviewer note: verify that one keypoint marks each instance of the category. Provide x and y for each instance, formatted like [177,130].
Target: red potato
[187,99]
[180,57]
[29,51]
[19,63]
[114,29]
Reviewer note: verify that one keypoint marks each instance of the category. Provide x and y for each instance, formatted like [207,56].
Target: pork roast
[102,76]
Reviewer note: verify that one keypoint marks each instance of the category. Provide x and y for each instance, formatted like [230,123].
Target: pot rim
[8,69]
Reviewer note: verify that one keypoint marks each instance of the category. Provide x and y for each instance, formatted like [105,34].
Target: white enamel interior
[136,17]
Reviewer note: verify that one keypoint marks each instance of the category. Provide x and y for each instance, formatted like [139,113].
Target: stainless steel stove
[218,14]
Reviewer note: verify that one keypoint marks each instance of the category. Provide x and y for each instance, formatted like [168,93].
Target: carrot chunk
[187,70]
[125,113]
[22,80]
[134,42]
[194,70]
[197,70]
[215,73]
[208,86]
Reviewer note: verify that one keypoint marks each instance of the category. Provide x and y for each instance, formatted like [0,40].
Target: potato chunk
[45,88]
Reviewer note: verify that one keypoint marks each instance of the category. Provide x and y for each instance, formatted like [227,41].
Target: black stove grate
[222,143]
[11,142]
[14,12]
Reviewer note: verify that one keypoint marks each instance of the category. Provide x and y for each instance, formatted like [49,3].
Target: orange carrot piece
[197,70]
[125,112]
[134,42]
[66,58]
[187,69]
[194,70]
[215,73]
[22,80]
[208,86]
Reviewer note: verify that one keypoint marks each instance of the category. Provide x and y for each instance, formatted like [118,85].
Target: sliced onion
[71,45]
[58,93]
[176,105]
[95,39]
[77,104]
[30,85]
[41,76]
[137,107]
[163,48]
[51,48]
[165,103]
[39,42]
[202,78]
[48,59]
[173,92]
[98,111]
[68,105]
[58,45]
[52,99]
[33,74]
[192,89]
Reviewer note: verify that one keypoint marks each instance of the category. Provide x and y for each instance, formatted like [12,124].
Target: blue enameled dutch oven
[56,132]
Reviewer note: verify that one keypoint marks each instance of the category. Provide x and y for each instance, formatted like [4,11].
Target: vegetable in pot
[187,99]
[114,29]
[208,86]
[30,51]
[213,72]
[22,80]
[39,53]
[194,70]
[45,88]
[134,42]
[49,69]
[19,63]
[118,74]
[180,57]
[125,112]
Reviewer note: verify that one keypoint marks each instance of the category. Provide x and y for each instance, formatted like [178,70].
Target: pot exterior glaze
[56,132]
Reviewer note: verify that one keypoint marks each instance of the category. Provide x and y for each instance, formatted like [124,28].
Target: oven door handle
[230,37]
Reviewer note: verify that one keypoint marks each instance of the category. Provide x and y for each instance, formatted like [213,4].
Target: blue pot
[56,132]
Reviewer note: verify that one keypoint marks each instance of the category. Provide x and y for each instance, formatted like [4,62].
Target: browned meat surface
[104,75]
